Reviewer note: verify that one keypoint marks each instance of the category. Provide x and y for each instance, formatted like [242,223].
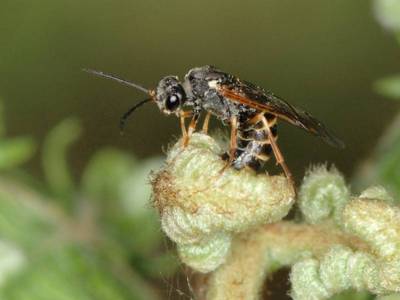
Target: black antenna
[120,80]
[125,116]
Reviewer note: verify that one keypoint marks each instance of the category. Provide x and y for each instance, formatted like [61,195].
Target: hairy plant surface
[230,225]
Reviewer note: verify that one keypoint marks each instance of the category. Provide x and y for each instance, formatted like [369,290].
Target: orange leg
[278,154]
[191,129]
[182,116]
[233,143]
[206,122]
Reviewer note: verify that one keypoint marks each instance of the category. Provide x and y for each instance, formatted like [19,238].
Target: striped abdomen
[253,146]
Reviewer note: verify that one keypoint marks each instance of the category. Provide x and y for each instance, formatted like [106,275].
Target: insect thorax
[201,84]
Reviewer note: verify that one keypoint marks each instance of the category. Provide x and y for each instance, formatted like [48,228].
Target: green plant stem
[259,253]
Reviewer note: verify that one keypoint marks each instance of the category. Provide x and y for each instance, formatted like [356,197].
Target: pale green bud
[378,223]
[377,192]
[338,270]
[201,206]
[322,195]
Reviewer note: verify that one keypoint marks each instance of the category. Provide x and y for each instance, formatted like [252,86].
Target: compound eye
[173,101]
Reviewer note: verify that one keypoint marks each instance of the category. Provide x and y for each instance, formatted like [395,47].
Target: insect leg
[191,129]
[182,116]
[205,124]
[278,154]
[233,143]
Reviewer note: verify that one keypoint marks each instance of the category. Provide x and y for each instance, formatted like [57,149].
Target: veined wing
[253,96]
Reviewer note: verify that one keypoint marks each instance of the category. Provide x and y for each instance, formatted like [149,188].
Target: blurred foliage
[389,86]
[383,166]
[351,295]
[387,13]
[55,166]
[99,239]
[13,151]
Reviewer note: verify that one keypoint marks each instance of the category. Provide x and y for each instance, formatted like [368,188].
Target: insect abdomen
[254,148]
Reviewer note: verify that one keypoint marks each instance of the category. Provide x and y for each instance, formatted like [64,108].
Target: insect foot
[202,210]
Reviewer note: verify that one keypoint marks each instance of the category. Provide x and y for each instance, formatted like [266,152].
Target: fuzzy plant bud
[323,194]
[378,223]
[377,192]
[202,204]
[372,265]
[338,270]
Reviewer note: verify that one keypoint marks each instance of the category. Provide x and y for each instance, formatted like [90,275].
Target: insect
[251,112]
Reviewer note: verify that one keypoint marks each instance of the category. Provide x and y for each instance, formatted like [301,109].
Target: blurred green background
[82,227]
